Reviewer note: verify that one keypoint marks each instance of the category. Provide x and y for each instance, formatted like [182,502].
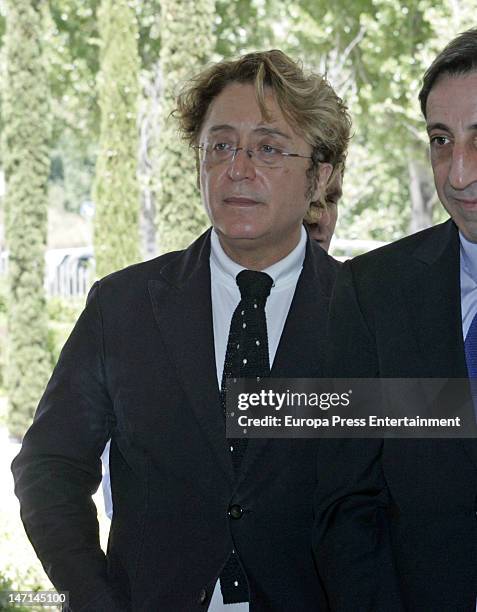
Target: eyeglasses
[262,156]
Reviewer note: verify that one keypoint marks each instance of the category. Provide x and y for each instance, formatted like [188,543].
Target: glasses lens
[262,156]
[267,156]
[219,153]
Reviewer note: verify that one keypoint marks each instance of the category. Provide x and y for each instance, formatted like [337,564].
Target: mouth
[467,203]
[241,201]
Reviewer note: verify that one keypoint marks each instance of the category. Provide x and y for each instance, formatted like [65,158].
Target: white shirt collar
[283,272]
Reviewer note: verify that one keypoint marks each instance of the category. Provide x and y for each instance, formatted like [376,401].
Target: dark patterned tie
[471,358]
[246,357]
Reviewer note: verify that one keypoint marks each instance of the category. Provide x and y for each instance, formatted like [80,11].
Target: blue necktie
[471,358]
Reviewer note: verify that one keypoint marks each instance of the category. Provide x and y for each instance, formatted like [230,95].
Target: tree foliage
[373,51]
[186,45]
[84,64]
[26,164]
[116,193]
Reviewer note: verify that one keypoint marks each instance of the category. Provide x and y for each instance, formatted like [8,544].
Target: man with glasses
[199,521]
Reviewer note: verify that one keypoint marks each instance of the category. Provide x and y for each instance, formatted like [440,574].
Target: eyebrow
[221,127]
[437,126]
[272,132]
[443,126]
[267,131]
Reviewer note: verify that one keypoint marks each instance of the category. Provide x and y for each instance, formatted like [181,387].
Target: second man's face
[321,222]
[255,208]
[452,129]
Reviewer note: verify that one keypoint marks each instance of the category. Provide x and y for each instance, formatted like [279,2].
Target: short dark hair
[458,57]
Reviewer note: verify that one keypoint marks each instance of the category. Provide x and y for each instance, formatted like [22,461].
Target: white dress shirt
[226,295]
[468,281]
[225,298]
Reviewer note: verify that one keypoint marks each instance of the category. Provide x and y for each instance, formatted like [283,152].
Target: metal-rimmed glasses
[262,156]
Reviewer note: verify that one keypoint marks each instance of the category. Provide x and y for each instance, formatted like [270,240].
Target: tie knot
[254,285]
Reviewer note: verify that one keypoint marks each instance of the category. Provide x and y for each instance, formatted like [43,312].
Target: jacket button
[202,596]
[235,511]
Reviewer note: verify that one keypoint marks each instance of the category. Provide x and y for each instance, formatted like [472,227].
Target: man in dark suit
[398,519]
[198,520]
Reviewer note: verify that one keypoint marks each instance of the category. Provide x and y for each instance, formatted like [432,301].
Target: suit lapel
[436,305]
[182,307]
[300,352]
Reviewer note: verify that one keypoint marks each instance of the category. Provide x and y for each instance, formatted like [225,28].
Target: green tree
[5,586]
[374,54]
[116,191]
[72,45]
[26,161]
[187,43]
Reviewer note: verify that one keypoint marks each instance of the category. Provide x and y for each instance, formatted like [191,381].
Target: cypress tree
[187,43]
[116,190]
[25,141]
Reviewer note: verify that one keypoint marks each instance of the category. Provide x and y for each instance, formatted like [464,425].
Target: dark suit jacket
[400,516]
[139,367]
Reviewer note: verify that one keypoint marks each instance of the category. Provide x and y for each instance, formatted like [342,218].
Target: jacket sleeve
[58,468]
[351,537]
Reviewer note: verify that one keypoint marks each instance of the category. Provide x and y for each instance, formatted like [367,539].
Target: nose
[463,169]
[242,166]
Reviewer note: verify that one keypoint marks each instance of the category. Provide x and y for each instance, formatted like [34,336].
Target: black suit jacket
[399,517]
[139,367]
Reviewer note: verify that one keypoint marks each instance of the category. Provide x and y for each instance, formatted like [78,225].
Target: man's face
[452,128]
[322,225]
[256,211]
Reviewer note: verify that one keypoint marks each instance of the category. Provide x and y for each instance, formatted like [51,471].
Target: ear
[321,182]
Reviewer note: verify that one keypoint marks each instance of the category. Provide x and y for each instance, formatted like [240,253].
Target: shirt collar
[283,272]
[469,256]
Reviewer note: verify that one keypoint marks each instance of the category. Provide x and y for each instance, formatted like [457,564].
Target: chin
[239,231]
